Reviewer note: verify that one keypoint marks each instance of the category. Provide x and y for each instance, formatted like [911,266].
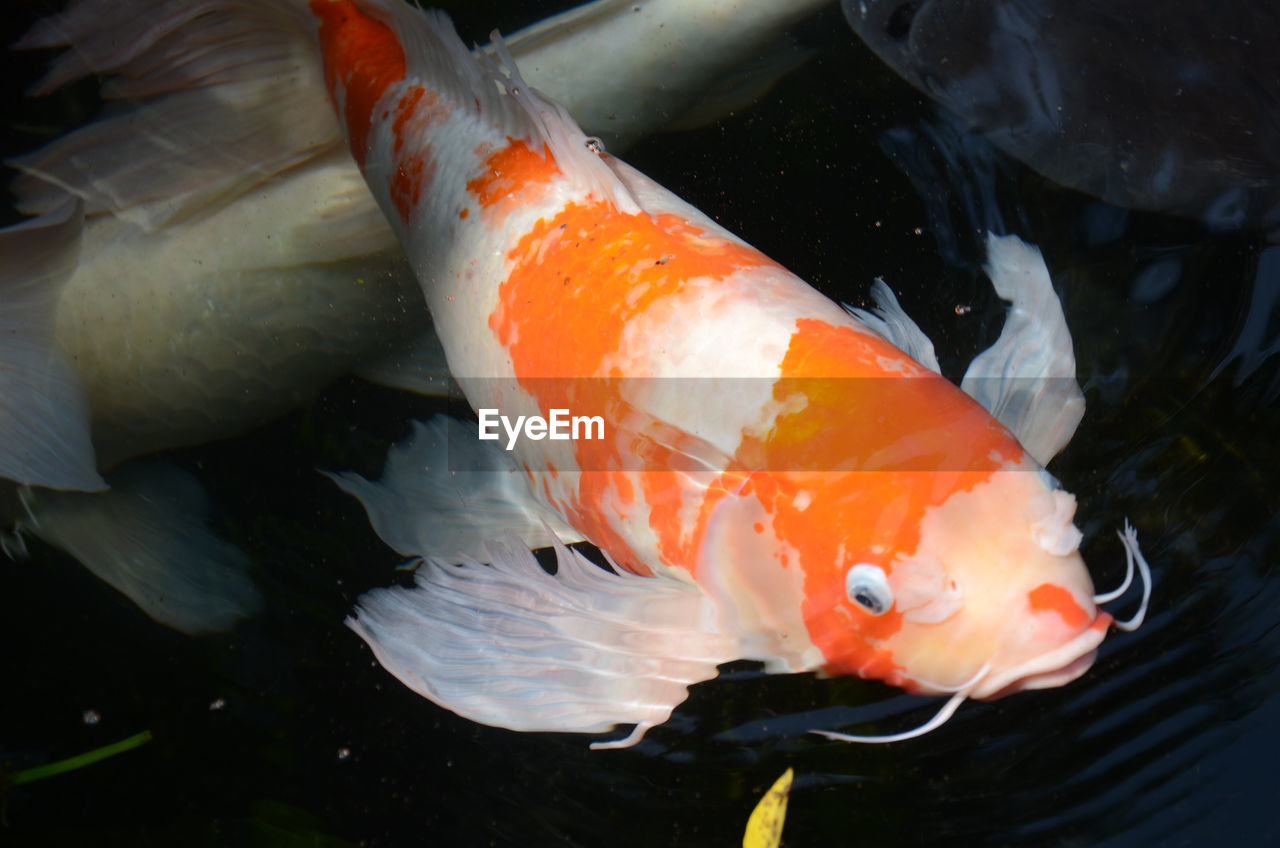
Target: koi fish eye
[868,587]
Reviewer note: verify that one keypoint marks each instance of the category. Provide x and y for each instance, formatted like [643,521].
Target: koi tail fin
[230,93]
[148,538]
[44,417]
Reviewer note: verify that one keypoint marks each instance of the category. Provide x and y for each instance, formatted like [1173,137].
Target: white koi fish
[210,257]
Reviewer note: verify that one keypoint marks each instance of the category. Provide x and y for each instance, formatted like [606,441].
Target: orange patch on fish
[593,266]
[1049,597]
[590,517]
[406,185]
[513,176]
[362,59]
[416,112]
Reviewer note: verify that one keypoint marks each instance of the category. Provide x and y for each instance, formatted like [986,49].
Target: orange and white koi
[779,480]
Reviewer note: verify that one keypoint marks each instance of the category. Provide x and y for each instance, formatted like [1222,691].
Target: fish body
[826,502]
[1162,106]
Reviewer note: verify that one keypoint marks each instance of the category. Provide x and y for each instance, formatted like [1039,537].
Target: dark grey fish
[1163,106]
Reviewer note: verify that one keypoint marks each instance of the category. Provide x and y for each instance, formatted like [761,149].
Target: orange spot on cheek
[464,213]
[870,663]
[758,527]
[1050,597]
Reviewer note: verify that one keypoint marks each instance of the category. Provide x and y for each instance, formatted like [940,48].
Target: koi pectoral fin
[1027,379]
[509,645]
[891,321]
[148,537]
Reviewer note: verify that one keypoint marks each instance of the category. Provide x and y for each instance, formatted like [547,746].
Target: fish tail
[230,92]
[44,417]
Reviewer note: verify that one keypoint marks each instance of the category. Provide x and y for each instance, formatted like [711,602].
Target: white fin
[1027,379]
[233,94]
[44,417]
[445,494]
[420,368]
[148,538]
[511,646]
[891,321]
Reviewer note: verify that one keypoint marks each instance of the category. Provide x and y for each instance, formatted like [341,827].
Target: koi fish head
[992,597]
[996,598]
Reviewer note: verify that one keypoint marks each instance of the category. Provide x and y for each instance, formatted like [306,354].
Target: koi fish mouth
[1054,668]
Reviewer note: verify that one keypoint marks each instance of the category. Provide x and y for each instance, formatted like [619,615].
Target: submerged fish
[773,478]
[1149,105]
[208,257]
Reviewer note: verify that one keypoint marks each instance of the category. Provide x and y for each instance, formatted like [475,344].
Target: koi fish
[209,257]
[779,479]
[1173,112]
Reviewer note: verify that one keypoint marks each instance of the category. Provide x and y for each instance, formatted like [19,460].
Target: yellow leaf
[764,828]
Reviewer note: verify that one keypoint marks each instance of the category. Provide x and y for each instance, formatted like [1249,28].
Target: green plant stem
[81,760]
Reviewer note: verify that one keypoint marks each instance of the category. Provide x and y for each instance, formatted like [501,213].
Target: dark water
[287,733]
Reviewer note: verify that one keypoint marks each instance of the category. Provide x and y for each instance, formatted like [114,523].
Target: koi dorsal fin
[891,321]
